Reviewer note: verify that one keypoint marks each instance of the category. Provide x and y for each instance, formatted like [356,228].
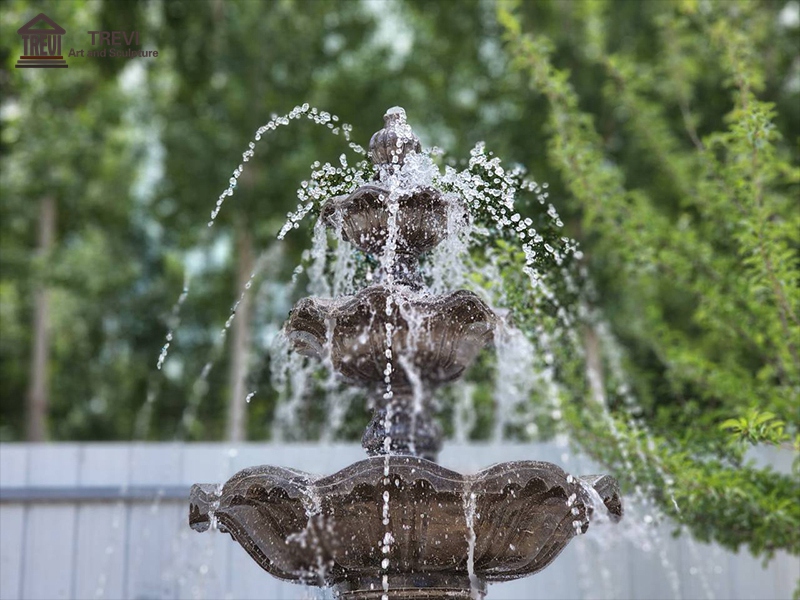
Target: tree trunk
[240,344]
[38,399]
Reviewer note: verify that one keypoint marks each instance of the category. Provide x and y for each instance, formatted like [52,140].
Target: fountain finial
[390,145]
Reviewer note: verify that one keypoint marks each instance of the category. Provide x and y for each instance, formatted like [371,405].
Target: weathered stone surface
[327,530]
[438,336]
[421,219]
[389,146]
[433,340]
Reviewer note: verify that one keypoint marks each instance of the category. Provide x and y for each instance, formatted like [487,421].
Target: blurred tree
[668,131]
[38,385]
[226,65]
[69,158]
[690,222]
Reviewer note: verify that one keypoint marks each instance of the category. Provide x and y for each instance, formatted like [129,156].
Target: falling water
[448,267]
[514,375]
[316,116]
[387,445]
[308,537]
[470,516]
[464,415]
[483,211]
[313,114]
[200,386]
[174,322]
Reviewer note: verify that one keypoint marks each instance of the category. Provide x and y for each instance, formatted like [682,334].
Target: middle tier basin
[436,337]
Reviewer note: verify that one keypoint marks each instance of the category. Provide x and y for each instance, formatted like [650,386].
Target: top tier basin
[363,218]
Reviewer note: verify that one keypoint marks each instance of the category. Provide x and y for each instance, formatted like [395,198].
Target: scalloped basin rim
[334,307]
[526,507]
[371,470]
[372,191]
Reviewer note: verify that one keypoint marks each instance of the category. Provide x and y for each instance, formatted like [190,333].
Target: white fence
[86,521]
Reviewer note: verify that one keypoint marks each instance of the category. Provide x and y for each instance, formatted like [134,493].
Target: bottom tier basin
[404,522]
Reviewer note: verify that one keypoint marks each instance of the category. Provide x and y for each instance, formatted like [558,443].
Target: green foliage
[732,504]
[668,132]
[696,263]
[756,427]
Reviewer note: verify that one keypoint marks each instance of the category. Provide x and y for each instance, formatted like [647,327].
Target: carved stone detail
[364,219]
[390,145]
[324,530]
[448,332]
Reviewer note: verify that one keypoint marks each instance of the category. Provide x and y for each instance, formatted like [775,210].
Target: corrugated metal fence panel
[13,473]
[154,530]
[205,463]
[49,559]
[116,548]
[102,527]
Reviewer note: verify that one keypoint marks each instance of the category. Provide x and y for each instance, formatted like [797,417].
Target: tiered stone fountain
[398,525]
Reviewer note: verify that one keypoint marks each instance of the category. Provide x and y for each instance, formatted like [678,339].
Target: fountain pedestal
[414,587]
[398,525]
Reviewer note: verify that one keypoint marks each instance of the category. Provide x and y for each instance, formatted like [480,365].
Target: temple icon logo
[41,47]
